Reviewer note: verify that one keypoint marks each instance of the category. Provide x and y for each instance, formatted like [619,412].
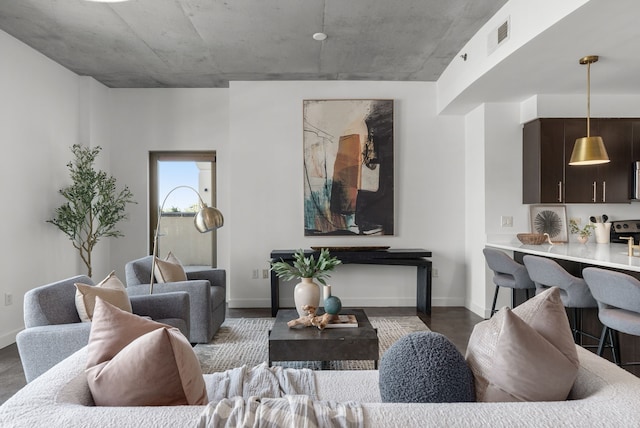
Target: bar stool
[574,292]
[507,273]
[618,297]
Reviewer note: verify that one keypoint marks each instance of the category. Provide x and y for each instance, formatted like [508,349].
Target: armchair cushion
[110,289]
[133,361]
[169,270]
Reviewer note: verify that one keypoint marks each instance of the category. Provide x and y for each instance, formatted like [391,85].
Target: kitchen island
[574,257]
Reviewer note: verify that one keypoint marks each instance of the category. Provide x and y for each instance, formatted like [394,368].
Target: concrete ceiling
[207,43]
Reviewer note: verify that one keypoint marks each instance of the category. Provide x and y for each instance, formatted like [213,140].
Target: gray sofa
[207,295]
[603,395]
[53,329]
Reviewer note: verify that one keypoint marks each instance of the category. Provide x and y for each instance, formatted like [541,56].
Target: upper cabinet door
[543,161]
[614,178]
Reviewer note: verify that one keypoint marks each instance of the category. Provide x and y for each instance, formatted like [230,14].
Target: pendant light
[589,150]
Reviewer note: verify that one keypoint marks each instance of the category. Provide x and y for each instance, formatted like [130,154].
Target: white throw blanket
[298,411]
[272,397]
[260,381]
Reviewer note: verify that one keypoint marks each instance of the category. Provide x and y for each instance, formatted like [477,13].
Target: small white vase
[583,239]
[306,292]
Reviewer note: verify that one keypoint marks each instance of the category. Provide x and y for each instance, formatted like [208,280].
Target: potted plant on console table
[306,269]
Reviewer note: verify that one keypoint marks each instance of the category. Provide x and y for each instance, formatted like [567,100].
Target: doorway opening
[168,170]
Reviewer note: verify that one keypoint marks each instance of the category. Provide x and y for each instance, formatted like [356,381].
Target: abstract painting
[551,219]
[348,167]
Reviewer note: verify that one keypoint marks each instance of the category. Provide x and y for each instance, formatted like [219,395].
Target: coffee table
[331,344]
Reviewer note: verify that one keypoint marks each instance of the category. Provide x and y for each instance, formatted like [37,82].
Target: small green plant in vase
[583,233]
[307,269]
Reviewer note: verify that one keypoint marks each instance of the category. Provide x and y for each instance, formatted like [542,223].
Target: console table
[397,257]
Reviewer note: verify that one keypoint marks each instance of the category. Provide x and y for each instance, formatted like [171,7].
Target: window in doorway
[177,234]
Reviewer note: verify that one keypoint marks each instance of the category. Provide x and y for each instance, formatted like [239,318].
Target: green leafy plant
[584,232]
[94,206]
[306,267]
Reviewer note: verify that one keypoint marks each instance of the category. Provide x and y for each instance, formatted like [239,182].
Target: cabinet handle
[594,191]
[559,191]
[604,191]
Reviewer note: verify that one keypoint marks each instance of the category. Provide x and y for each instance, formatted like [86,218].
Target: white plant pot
[306,292]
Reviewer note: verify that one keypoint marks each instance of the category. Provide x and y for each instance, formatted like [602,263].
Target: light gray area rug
[245,341]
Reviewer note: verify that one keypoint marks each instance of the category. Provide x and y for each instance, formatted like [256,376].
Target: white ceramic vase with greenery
[306,292]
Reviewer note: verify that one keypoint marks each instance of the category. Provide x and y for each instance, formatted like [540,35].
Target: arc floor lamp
[206,219]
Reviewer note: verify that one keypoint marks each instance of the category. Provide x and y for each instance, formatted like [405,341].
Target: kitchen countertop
[609,255]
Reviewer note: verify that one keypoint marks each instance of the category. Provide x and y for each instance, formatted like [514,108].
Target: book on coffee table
[343,321]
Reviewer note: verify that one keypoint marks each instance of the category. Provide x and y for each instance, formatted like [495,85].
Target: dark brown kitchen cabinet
[543,161]
[547,147]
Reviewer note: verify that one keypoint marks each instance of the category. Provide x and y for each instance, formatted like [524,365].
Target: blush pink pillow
[137,362]
[524,354]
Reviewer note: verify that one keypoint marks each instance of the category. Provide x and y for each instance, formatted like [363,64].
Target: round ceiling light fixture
[319,36]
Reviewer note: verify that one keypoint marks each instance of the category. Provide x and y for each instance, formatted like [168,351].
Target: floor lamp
[205,220]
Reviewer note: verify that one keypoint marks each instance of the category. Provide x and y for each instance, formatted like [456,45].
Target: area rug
[243,341]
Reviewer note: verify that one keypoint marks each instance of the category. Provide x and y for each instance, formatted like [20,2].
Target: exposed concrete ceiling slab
[207,43]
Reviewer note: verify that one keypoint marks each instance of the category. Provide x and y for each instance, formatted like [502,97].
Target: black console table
[408,257]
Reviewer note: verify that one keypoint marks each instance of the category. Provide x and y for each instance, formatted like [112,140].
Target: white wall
[144,120]
[266,205]
[39,115]
[475,210]
[526,20]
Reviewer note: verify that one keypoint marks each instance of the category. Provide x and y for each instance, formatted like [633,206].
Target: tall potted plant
[94,206]
[306,269]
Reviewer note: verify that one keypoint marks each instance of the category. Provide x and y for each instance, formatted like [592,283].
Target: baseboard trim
[9,338]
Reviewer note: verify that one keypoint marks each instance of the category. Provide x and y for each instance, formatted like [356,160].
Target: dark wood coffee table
[331,344]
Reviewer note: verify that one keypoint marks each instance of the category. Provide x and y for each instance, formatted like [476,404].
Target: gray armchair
[53,329]
[207,295]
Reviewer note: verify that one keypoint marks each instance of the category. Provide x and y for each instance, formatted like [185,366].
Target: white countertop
[609,255]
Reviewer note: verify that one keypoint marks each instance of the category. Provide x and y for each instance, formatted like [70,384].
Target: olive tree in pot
[94,206]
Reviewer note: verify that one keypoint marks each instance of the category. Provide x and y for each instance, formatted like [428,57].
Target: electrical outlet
[255,274]
[265,273]
[434,273]
[8,299]
[506,221]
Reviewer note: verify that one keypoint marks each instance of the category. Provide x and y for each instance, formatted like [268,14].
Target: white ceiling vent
[499,36]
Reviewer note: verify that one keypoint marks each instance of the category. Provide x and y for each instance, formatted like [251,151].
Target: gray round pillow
[425,367]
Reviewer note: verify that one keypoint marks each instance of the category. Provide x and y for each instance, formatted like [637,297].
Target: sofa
[207,295]
[603,395]
[54,330]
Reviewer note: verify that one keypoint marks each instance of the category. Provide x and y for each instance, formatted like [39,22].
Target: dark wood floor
[455,323]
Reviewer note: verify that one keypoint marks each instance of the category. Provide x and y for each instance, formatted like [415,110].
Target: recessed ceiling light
[319,36]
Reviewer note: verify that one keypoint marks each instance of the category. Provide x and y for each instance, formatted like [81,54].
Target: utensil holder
[603,232]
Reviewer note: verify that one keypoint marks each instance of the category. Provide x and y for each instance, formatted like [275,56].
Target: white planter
[306,292]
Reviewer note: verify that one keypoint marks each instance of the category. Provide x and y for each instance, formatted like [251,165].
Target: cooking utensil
[605,218]
[592,219]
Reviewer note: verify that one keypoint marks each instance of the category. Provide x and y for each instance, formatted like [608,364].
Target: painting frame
[551,219]
[348,167]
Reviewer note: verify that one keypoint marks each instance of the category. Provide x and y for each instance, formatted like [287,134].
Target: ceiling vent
[499,36]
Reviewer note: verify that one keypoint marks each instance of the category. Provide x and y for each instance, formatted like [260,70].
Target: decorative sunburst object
[548,222]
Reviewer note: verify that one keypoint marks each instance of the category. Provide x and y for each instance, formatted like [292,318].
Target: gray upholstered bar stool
[507,273]
[574,291]
[618,297]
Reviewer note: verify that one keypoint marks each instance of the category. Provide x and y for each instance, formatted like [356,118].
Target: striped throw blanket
[299,411]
